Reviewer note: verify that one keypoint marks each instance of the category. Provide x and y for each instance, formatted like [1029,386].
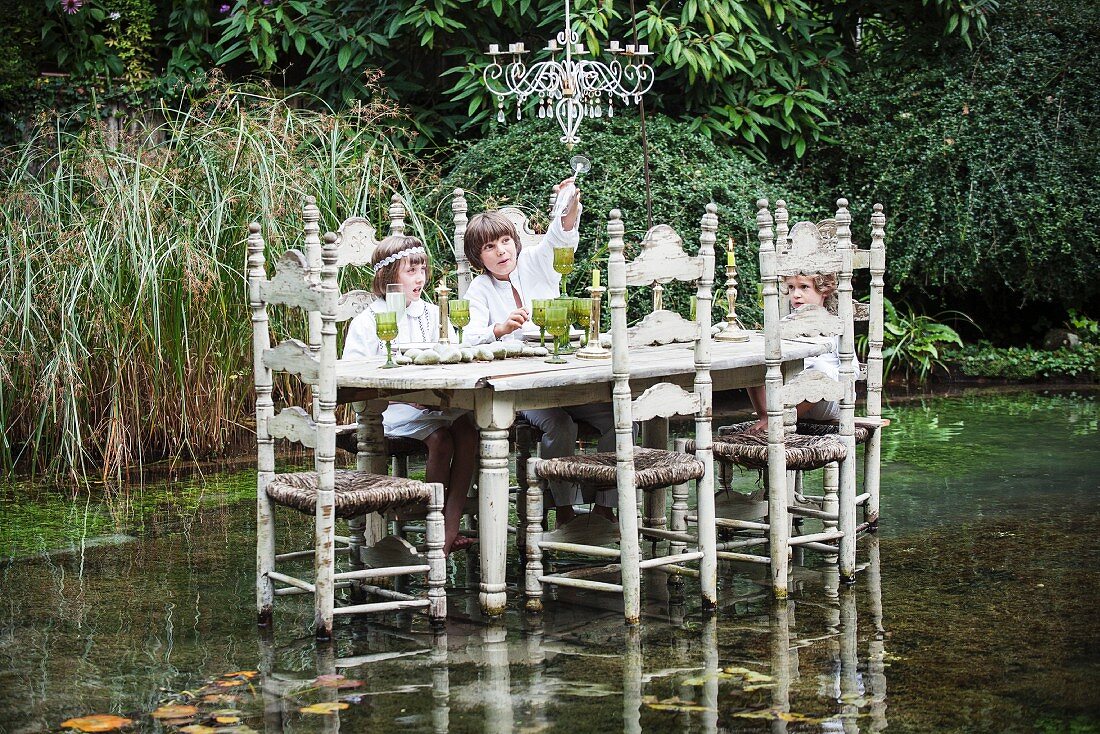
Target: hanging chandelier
[567,87]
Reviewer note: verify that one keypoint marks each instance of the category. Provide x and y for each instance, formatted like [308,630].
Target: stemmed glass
[459,310]
[563,264]
[567,303]
[538,316]
[385,325]
[693,306]
[557,323]
[582,315]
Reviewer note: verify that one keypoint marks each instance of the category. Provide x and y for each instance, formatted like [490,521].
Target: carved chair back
[662,259]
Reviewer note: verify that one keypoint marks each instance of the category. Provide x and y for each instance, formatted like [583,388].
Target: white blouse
[491,300]
[420,325]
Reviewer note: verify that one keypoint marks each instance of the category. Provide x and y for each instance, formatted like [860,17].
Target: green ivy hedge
[1016,363]
[987,163]
[687,171]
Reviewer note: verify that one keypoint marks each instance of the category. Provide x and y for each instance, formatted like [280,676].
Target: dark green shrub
[687,171]
[1016,363]
[987,163]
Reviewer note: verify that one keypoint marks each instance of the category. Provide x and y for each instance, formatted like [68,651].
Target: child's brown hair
[483,229]
[386,274]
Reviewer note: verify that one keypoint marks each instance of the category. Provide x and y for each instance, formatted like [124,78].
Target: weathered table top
[527,373]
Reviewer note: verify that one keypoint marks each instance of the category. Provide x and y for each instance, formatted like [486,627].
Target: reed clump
[124,328]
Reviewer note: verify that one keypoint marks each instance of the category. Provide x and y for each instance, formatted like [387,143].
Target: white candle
[494,48]
[630,48]
[614,47]
[552,45]
[519,47]
[643,49]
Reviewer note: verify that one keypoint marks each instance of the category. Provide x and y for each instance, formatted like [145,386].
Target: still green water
[975,611]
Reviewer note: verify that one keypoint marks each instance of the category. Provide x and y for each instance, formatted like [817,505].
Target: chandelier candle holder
[734,331]
[568,87]
[442,292]
[592,348]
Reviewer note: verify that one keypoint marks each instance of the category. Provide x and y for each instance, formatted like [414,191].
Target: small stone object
[449,354]
[467,354]
[427,357]
[483,353]
[500,351]
[402,359]
[528,351]
[1058,338]
[540,351]
[513,348]
[413,353]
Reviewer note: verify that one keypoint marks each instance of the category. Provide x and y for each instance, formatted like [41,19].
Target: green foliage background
[987,163]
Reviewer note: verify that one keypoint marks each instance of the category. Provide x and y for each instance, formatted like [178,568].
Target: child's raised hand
[515,320]
[568,201]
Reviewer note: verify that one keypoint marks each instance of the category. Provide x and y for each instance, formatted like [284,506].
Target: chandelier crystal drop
[567,86]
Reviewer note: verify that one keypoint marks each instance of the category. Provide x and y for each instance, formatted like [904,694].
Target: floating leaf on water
[198,729]
[777,715]
[97,722]
[335,680]
[238,729]
[228,719]
[241,674]
[673,704]
[178,722]
[228,683]
[704,679]
[222,698]
[750,676]
[175,711]
[326,707]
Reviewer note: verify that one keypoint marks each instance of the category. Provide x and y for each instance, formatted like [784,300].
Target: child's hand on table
[515,320]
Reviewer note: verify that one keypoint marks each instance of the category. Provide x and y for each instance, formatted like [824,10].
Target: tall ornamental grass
[124,328]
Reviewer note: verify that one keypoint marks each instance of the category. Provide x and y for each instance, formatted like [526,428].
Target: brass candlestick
[734,331]
[442,292]
[593,350]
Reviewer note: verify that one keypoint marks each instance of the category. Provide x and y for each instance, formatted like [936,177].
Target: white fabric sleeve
[362,341]
[480,330]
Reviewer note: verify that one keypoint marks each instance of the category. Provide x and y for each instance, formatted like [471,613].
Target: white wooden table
[494,391]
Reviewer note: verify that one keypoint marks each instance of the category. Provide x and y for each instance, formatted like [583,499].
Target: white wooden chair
[325,493]
[783,452]
[868,426]
[631,468]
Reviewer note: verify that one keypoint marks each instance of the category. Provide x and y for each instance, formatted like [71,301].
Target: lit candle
[729,253]
[595,278]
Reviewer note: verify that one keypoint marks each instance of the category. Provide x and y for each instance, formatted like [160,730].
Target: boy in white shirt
[500,307]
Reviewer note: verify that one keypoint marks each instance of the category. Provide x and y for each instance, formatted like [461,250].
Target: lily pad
[175,711]
[337,681]
[198,729]
[325,707]
[97,722]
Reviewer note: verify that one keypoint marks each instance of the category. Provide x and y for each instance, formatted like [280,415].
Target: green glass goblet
[538,316]
[567,304]
[693,307]
[582,316]
[563,264]
[557,323]
[385,325]
[459,310]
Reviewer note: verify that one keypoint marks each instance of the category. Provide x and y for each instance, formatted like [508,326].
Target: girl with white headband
[450,435]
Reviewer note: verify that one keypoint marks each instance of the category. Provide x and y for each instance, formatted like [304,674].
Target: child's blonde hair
[484,228]
[825,284]
[403,246]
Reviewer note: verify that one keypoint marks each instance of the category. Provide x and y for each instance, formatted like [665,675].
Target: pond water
[975,611]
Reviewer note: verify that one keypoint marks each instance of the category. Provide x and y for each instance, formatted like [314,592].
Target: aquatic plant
[124,332]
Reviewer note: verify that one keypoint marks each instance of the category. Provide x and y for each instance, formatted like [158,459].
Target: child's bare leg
[757,396]
[438,469]
[464,438]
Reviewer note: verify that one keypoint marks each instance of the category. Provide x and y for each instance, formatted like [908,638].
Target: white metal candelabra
[569,89]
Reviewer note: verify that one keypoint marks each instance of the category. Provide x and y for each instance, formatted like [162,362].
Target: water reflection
[758,666]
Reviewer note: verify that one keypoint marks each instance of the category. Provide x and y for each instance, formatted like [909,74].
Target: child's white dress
[829,364]
[420,325]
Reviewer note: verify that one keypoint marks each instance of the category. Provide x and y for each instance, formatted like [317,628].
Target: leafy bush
[912,342]
[1017,363]
[1021,363]
[986,162]
[687,172]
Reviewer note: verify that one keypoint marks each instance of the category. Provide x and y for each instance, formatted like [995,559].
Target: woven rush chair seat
[806,428]
[803,452]
[653,468]
[357,493]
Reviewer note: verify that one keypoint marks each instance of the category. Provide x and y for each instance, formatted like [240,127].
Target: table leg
[494,415]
